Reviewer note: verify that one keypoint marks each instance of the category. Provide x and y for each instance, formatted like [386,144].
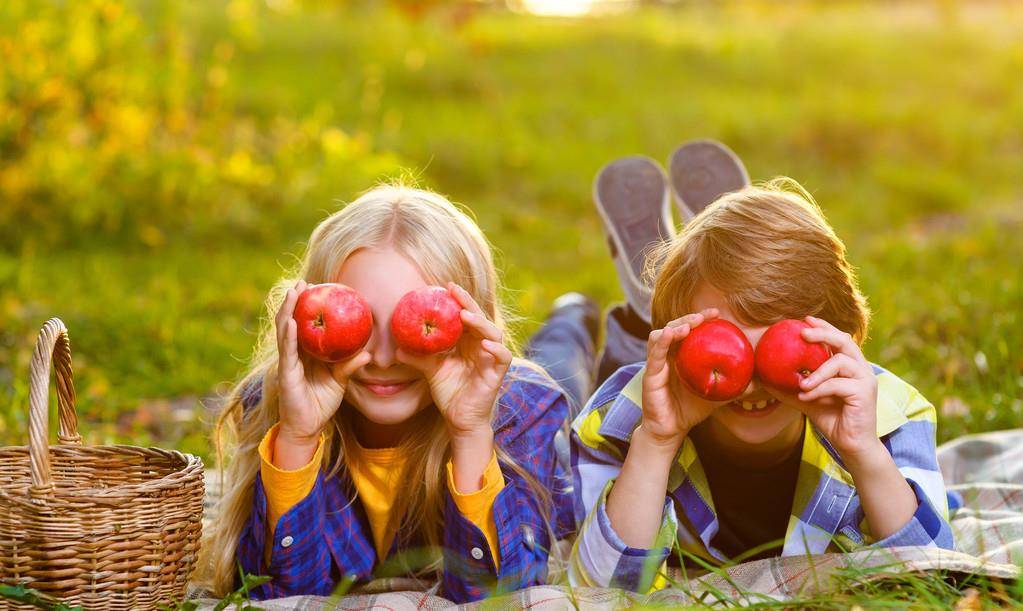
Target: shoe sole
[632,197]
[701,171]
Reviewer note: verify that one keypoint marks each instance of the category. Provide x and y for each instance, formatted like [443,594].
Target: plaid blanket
[985,471]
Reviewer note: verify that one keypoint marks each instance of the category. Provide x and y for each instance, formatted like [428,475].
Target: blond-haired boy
[849,461]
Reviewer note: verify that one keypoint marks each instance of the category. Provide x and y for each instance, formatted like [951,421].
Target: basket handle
[53,345]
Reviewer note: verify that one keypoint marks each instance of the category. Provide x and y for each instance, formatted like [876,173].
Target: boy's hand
[670,410]
[465,381]
[840,397]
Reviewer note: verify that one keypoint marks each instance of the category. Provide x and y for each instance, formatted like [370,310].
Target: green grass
[905,122]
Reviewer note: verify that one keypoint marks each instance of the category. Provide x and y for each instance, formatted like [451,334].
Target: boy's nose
[752,387]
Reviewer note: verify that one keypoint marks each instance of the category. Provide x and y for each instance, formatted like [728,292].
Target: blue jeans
[563,347]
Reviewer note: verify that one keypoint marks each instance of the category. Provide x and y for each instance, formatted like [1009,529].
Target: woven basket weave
[104,527]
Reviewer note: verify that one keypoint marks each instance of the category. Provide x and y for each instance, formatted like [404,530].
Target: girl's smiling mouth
[385,388]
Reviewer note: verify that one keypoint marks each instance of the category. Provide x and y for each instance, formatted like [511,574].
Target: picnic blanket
[984,472]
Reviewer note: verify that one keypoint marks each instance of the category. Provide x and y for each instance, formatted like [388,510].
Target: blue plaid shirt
[326,537]
[826,513]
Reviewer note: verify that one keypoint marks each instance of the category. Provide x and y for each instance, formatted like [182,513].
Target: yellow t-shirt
[377,478]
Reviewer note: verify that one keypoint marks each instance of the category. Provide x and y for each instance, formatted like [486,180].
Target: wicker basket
[105,527]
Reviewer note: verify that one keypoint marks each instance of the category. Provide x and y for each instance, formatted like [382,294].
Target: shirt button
[476,553]
[287,541]
[528,537]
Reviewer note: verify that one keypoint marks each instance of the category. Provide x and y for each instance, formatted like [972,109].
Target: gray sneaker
[702,171]
[632,198]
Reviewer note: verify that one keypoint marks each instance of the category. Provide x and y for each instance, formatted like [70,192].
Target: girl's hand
[465,381]
[840,397]
[670,410]
[309,390]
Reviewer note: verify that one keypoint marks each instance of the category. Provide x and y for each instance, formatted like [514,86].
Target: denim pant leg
[621,347]
[563,347]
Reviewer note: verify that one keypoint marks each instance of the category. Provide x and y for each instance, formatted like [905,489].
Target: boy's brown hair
[773,255]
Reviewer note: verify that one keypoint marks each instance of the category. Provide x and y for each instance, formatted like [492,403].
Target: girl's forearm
[887,499]
[635,503]
[470,454]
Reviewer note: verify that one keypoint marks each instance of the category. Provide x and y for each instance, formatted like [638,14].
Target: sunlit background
[161,163]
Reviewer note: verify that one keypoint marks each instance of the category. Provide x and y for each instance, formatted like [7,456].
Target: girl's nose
[382,347]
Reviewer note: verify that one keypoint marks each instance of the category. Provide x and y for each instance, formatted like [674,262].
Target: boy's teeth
[750,405]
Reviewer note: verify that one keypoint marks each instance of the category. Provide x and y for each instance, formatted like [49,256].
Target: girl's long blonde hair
[446,245]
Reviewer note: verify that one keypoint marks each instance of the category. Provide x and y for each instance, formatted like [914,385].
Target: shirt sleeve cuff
[285,488]
[478,507]
[602,559]
[926,527]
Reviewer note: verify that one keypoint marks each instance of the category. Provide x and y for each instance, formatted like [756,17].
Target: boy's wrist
[657,445]
[867,459]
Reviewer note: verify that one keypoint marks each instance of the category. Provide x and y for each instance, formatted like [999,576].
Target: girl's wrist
[470,454]
[290,453]
[476,438]
[297,439]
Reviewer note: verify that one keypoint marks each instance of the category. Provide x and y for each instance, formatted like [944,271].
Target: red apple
[715,360]
[427,321]
[784,358]
[334,321]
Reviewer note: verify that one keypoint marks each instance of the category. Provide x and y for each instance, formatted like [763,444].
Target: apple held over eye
[334,321]
[784,358]
[427,321]
[715,360]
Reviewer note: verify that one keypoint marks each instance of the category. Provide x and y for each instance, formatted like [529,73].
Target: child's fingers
[659,344]
[834,387]
[285,313]
[502,355]
[464,299]
[343,370]
[838,365]
[689,319]
[837,340]
[288,360]
[481,326]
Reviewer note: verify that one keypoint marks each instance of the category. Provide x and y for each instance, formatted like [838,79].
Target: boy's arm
[887,499]
[635,504]
[911,448]
[600,557]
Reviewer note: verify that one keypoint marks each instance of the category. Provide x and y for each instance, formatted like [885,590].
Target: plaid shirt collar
[824,488]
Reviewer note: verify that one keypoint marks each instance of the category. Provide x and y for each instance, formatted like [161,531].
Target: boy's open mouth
[754,409]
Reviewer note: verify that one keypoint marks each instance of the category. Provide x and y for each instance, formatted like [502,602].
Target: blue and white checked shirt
[826,513]
[326,537]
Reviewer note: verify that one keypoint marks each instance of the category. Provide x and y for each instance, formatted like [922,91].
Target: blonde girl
[437,463]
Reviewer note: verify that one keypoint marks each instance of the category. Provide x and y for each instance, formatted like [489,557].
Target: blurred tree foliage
[116,125]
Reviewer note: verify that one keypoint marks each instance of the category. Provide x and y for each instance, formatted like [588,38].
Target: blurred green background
[161,164]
